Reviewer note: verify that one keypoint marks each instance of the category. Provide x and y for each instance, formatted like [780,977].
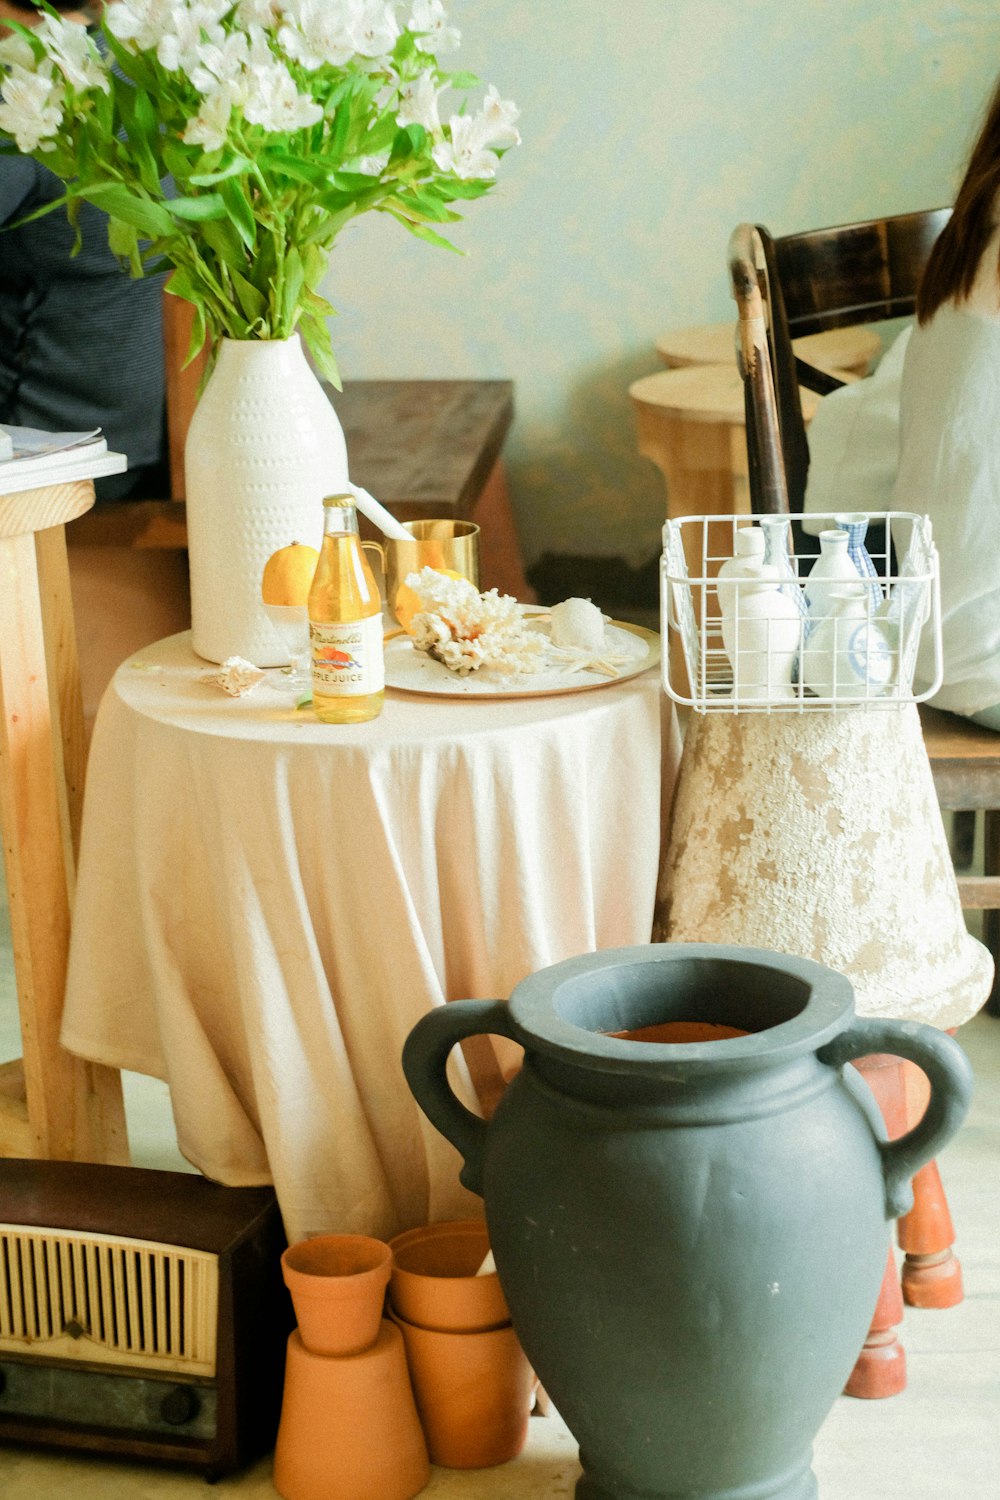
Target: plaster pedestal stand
[820,834]
[639,1197]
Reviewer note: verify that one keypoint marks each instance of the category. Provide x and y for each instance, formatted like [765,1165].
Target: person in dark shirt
[81,342]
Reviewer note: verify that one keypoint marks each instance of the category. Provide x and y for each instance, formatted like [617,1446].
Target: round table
[836,349]
[266,906]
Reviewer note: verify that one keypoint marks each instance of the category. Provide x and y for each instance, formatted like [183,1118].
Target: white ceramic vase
[848,656]
[748,554]
[832,570]
[264,447]
[761,633]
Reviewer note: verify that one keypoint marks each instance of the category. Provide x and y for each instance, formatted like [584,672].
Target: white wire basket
[836,645]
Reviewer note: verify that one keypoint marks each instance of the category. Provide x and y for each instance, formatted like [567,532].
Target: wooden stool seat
[51,1104]
[965,764]
[837,349]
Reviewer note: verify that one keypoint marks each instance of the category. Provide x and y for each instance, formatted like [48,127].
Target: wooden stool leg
[991,919]
[65,1108]
[881,1367]
[932,1275]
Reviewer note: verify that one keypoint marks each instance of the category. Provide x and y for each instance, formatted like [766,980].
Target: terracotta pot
[349,1426]
[434,1283]
[473,1393]
[691,1237]
[337,1284]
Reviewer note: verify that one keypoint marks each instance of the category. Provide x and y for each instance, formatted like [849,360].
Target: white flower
[372,166]
[274,102]
[178,50]
[465,154]
[418,104]
[266,13]
[170,28]
[497,118]
[314,32]
[430,19]
[220,61]
[32,106]
[209,126]
[15,52]
[73,53]
[374,29]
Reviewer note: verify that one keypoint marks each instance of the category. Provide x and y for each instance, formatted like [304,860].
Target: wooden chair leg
[881,1367]
[963,838]
[991,919]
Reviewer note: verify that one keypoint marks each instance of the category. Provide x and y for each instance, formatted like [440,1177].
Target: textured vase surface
[264,447]
[820,833]
[690,1236]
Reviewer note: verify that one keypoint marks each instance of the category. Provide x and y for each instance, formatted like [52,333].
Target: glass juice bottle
[345,623]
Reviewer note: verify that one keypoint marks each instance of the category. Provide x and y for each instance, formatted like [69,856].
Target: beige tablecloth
[267,905]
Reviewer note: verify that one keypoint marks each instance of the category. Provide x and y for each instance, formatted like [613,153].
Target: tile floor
[939,1440]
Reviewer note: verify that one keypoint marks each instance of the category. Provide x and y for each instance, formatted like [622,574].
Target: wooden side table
[422,447]
[433,448]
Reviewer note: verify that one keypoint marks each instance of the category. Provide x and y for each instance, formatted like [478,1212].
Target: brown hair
[954,260]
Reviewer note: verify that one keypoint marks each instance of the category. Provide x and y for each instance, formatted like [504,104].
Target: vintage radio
[141,1313]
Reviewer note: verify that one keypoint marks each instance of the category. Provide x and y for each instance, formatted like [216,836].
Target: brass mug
[434,544]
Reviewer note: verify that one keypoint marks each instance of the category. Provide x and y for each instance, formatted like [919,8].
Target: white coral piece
[236,676]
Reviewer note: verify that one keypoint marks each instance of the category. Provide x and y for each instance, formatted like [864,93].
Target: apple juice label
[347,656]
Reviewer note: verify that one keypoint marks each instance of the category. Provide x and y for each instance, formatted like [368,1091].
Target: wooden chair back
[801,284]
[838,277]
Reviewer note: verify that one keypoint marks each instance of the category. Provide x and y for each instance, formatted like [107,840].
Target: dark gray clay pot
[691,1238]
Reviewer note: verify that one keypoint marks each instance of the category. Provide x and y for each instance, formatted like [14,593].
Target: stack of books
[31,459]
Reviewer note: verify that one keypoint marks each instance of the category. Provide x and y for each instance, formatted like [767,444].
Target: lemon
[408,601]
[288,574]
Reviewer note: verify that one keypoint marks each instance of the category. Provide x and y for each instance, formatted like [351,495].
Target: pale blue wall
[650,128]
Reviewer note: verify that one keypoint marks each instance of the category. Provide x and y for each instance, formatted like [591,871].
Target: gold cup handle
[377,547]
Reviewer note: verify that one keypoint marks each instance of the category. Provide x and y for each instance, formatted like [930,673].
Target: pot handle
[425,1058]
[950,1076]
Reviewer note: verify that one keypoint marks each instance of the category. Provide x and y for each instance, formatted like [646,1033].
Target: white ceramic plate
[413,671]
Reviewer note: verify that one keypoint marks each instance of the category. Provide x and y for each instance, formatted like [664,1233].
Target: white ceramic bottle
[761,633]
[832,569]
[847,655]
[748,554]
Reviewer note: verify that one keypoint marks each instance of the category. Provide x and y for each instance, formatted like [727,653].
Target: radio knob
[180,1405]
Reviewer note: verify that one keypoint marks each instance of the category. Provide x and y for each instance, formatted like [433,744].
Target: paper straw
[379,516]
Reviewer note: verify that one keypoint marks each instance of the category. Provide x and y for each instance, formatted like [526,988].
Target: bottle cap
[339,501]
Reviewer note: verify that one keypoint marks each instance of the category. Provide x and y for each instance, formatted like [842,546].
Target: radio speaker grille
[96,1298]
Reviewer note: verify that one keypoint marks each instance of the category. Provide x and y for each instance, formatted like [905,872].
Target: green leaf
[461,188]
[239,211]
[233,168]
[463,80]
[408,142]
[123,239]
[422,232]
[313,173]
[141,127]
[205,206]
[252,301]
[149,218]
[220,236]
[291,289]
